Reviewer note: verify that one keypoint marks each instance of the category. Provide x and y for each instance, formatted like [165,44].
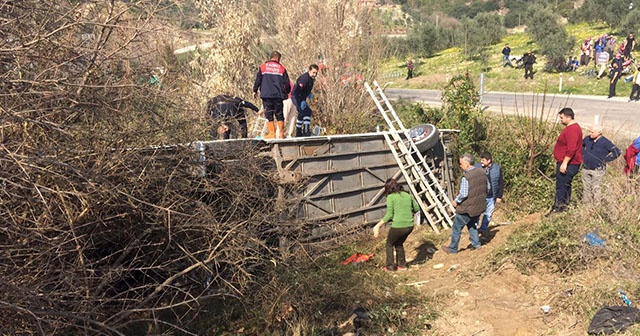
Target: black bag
[612,319]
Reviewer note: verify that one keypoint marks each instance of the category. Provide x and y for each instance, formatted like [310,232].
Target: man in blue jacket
[495,187]
[273,82]
[301,92]
[597,151]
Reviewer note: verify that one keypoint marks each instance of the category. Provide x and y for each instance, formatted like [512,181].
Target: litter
[357,258]
[593,239]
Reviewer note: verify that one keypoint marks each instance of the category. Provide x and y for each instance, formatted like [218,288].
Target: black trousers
[612,86]
[528,71]
[395,241]
[635,90]
[273,107]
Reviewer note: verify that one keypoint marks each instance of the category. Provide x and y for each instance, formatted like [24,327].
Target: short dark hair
[275,54]
[486,155]
[567,112]
[314,66]
[392,186]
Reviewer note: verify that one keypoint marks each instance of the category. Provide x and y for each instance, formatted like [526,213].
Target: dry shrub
[101,233]
[335,34]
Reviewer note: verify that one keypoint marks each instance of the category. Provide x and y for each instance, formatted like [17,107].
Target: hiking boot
[388,269]
[402,268]
[447,250]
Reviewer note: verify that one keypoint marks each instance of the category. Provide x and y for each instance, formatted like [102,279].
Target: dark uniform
[226,110]
[273,82]
[302,91]
[528,59]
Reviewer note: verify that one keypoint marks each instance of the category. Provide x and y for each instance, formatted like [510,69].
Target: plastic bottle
[624,297]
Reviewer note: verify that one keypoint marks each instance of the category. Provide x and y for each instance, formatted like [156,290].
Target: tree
[551,37]
[475,35]
[461,111]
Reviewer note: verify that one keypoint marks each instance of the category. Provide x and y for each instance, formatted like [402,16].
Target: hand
[255,95]
[455,205]
[498,200]
[376,231]
[303,105]
[222,129]
[563,168]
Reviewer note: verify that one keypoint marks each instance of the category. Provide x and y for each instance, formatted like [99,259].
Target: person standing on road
[470,203]
[615,75]
[528,59]
[506,54]
[597,151]
[273,82]
[401,208]
[635,88]
[568,154]
[495,187]
[302,92]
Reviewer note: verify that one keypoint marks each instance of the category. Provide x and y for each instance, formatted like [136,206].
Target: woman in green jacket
[400,209]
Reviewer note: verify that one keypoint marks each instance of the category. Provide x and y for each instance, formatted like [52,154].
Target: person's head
[275,56]
[466,161]
[595,132]
[506,45]
[485,159]
[566,115]
[630,34]
[392,186]
[313,70]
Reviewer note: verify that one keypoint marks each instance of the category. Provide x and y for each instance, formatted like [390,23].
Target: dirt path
[505,302]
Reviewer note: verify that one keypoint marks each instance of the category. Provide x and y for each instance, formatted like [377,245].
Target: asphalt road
[617,115]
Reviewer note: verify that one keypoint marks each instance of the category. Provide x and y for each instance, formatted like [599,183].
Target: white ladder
[423,184]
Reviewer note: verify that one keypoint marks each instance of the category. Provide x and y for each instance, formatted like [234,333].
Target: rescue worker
[302,92]
[225,111]
[273,82]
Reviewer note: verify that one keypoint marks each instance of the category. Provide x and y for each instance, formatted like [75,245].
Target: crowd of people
[285,104]
[609,58]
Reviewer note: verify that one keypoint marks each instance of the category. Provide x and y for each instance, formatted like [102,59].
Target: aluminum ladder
[423,184]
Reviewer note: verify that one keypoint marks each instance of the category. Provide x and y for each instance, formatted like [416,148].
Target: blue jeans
[506,61]
[460,221]
[486,217]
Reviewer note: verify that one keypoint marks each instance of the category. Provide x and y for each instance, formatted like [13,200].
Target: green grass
[434,72]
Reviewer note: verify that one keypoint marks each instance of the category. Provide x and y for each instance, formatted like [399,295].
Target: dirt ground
[504,302]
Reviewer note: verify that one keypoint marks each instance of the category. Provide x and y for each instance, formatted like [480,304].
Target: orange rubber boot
[271,128]
[280,129]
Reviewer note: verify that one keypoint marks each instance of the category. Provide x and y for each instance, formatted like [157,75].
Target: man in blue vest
[495,188]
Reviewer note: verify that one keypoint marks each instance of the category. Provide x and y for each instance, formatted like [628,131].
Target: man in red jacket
[273,82]
[568,155]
